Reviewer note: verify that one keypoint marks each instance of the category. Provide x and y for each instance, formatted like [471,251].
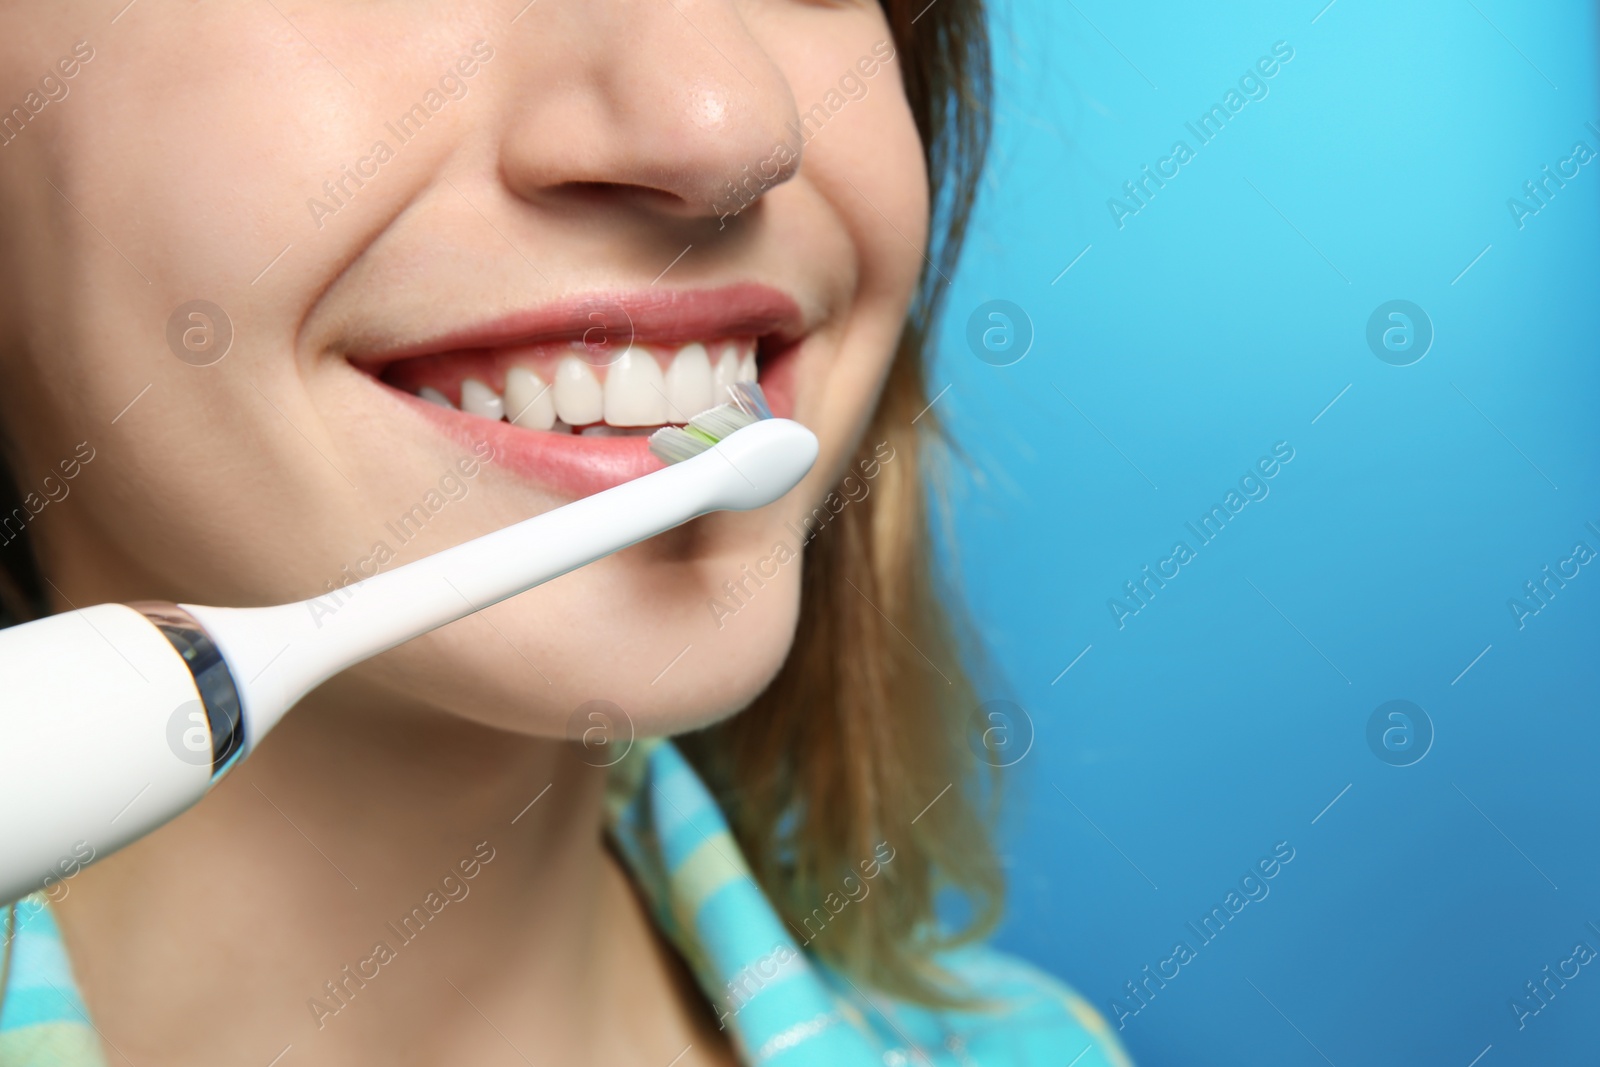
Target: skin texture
[588,153]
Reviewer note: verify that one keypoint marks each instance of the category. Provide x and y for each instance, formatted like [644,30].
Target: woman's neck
[381,886]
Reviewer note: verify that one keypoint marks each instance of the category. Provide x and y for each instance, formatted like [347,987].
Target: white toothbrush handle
[94,703]
[279,654]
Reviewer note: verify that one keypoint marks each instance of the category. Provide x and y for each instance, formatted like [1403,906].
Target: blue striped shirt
[779,1003]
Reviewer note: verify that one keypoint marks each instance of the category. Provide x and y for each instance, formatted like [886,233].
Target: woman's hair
[21,588]
[862,741]
[859,749]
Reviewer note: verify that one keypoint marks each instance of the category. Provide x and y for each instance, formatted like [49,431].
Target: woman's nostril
[672,199]
[601,188]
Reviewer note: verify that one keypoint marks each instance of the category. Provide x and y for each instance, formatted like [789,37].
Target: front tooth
[747,367]
[724,375]
[578,396]
[433,396]
[478,399]
[529,402]
[635,393]
[689,382]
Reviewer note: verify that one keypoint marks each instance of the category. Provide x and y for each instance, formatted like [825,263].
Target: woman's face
[388,197]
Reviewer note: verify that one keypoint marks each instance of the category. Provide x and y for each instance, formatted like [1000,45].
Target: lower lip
[571,464]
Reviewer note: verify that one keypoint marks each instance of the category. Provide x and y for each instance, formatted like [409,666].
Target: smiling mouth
[568,394]
[580,387]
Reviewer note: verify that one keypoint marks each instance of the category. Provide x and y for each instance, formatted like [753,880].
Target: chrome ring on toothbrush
[212,679]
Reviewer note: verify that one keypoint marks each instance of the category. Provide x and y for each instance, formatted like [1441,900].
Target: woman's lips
[574,464]
[568,462]
[666,316]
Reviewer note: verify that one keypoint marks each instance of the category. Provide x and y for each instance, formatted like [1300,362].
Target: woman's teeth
[635,391]
[578,400]
[633,395]
[688,383]
[478,399]
[529,402]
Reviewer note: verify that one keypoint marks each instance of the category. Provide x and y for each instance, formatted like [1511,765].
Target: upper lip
[662,317]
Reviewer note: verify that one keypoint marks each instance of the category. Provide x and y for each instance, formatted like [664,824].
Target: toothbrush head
[762,457]
[673,444]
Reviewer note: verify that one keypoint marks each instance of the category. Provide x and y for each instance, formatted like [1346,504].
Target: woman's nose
[671,105]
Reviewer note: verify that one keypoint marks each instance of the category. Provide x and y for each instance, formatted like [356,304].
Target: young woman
[297,291]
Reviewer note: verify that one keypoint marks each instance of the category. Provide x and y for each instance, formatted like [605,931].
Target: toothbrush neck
[279,654]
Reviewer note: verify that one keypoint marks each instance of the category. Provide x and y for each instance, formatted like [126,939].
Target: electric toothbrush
[119,717]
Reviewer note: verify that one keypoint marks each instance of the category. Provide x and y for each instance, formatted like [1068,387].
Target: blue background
[1225,717]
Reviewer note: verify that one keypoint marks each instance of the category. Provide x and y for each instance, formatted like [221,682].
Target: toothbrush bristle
[671,445]
[720,421]
[674,444]
[748,398]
